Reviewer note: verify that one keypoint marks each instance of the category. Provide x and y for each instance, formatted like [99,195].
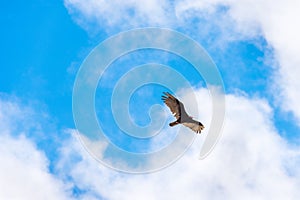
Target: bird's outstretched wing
[172,103]
[195,126]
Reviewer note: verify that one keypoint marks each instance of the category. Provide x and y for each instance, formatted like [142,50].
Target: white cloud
[24,172]
[277,22]
[251,161]
[118,14]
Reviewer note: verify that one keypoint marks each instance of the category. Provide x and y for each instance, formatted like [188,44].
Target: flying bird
[177,109]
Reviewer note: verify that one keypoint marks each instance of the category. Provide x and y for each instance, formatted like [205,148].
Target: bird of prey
[177,109]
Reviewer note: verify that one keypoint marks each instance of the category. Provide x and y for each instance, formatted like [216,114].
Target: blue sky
[33,32]
[43,45]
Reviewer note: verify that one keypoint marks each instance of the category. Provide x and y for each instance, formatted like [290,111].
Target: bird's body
[177,108]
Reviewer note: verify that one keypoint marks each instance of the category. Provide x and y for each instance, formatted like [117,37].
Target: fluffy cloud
[24,169]
[95,14]
[277,23]
[251,161]
[24,172]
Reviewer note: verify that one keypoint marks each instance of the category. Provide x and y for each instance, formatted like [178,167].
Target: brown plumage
[177,109]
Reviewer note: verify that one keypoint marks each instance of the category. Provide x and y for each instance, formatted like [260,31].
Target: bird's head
[201,125]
